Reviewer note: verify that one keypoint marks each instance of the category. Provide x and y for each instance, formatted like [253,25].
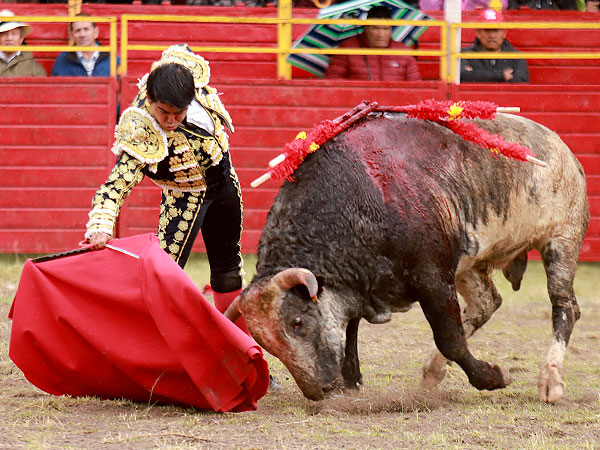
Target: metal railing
[111,47]
[283,47]
[284,39]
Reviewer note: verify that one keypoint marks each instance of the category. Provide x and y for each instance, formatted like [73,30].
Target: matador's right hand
[99,240]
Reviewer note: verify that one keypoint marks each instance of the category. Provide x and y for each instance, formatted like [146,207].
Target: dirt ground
[390,412]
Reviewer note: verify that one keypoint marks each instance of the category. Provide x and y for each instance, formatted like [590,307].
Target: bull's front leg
[441,308]
[482,300]
[351,366]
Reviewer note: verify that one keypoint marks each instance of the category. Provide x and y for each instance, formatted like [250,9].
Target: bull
[397,210]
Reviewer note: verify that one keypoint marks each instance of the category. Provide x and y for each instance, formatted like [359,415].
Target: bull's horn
[288,278]
[233,311]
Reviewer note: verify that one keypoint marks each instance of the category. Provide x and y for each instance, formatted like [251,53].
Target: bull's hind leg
[482,300]
[560,262]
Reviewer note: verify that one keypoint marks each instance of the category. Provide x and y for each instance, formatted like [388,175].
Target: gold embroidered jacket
[173,160]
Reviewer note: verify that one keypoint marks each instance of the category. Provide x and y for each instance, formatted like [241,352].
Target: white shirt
[88,64]
[197,115]
[5,58]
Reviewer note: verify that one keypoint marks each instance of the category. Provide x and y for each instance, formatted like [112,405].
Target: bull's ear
[321,283]
[302,291]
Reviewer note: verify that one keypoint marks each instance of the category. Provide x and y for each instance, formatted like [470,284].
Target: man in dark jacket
[493,70]
[84,63]
[543,4]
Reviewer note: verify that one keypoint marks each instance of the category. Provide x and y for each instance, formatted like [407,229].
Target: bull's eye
[297,323]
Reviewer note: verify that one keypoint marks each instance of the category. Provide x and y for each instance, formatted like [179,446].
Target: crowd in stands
[69,64]
[404,67]
[366,67]
[424,5]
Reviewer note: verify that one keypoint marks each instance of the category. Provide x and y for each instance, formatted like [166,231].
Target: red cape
[106,324]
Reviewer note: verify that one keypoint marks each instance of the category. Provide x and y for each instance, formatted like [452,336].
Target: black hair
[173,84]
[81,15]
[379,12]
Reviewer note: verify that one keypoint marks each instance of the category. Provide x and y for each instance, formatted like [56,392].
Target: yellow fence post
[124,45]
[74,7]
[113,46]
[284,39]
[444,52]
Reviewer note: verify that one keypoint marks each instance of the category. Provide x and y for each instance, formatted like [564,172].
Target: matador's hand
[99,240]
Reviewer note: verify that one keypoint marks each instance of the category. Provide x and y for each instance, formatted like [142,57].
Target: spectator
[374,67]
[83,63]
[466,5]
[493,70]
[543,4]
[592,5]
[18,63]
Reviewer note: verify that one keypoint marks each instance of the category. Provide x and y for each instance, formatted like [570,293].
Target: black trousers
[217,212]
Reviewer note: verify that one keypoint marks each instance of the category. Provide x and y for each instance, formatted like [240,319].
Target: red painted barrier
[54,137]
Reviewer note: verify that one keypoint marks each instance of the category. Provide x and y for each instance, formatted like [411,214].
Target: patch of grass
[10,271]
[389,412]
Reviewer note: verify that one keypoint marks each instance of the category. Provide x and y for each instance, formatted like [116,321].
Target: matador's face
[168,116]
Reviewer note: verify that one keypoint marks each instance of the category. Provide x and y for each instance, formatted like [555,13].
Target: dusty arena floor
[390,412]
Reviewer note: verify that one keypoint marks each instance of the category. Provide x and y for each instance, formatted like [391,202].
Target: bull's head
[295,319]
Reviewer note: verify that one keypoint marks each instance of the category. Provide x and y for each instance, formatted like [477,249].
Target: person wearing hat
[466,5]
[17,63]
[493,40]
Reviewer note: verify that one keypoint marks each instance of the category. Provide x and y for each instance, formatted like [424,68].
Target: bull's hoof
[274,386]
[352,385]
[551,394]
[551,386]
[490,377]
[434,370]
[352,379]
[430,379]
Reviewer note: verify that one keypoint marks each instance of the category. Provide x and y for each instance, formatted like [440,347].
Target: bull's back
[498,206]
[390,179]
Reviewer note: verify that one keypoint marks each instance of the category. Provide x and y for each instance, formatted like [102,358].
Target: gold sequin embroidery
[140,136]
[185,220]
[182,54]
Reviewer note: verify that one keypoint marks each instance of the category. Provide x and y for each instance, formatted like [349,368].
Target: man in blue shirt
[84,63]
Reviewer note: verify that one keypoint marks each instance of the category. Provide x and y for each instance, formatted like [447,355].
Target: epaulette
[141,137]
[182,54]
